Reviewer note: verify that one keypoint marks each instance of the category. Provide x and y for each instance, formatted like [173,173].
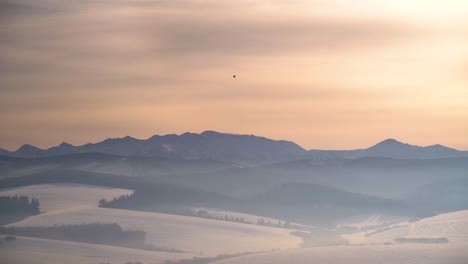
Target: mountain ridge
[239,148]
[242,149]
[392,148]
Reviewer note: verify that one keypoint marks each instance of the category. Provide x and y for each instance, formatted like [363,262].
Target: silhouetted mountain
[243,149]
[395,149]
[29,151]
[4,152]
[391,148]
[61,149]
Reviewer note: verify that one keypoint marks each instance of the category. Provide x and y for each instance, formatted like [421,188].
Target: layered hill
[234,148]
[244,149]
[391,148]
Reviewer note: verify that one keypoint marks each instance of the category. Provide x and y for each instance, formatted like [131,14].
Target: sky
[326,74]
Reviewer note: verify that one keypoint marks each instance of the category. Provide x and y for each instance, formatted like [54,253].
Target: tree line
[96,233]
[16,208]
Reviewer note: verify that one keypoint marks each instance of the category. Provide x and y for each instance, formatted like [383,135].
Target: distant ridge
[392,148]
[236,148]
[242,149]
[29,151]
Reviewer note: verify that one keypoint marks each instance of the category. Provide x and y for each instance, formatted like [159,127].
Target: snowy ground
[76,204]
[452,226]
[54,197]
[385,254]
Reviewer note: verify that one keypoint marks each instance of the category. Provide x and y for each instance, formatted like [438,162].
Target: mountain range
[253,174]
[391,148]
[235,148]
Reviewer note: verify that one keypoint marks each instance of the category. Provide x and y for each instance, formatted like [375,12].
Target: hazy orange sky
[330,74]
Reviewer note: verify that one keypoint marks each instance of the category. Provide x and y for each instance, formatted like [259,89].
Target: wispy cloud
[150,65]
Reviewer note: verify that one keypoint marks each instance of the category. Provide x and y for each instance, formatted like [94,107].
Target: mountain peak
[190,134]
[212,132]
[28,150]
[27,147]
[390,141]
[216,133]
[391,145]
[65,145]
[128,138]
[438,147]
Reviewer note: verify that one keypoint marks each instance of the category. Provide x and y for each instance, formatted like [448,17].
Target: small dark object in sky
[234,76]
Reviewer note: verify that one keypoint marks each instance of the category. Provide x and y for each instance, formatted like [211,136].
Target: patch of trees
[204,214]
[16,208]
[207,260]
[166,199]
[423,240]
[107,234]
[320,237]
[279,224]
[141,201]
[95,233]
[148,195]
[262,222]
[380,230]
[236,219]
[229,218]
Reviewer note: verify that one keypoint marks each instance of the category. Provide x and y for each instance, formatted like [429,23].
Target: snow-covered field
[452,226]
[384,254]
[55,197]
[77,204]
[195,235]
[379,245]
[27,250]
[371,220]
[248,218]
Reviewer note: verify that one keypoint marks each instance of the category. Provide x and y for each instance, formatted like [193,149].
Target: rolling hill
[452,226]
[198,236]
[441,239]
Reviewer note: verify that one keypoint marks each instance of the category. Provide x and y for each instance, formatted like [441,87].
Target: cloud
[101,44]
[134,66]
[268,37]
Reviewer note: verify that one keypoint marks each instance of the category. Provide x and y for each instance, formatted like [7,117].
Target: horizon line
[225,133]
